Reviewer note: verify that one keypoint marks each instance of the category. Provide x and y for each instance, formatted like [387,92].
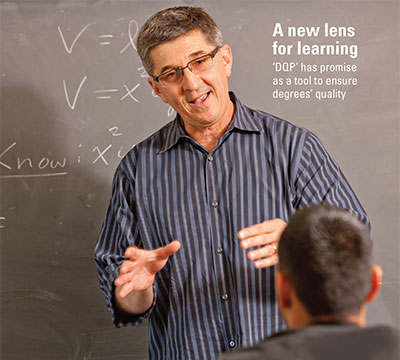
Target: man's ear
[376,281]
[156,87]
[226,54]
[284,289]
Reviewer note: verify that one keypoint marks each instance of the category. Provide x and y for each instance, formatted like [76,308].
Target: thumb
[169,249]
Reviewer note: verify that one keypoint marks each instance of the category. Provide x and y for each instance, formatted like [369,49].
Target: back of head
[169,24]
[325,252]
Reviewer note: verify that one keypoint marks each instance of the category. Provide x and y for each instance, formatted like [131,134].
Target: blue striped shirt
[209,298]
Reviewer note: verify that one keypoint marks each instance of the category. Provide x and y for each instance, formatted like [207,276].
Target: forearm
[136,302]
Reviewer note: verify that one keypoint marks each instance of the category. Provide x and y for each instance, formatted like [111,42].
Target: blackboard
[75,99]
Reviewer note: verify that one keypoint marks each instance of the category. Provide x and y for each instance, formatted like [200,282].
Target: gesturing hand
[266,233]
[138,272]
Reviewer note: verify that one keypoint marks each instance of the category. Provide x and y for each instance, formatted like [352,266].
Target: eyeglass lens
[196,66]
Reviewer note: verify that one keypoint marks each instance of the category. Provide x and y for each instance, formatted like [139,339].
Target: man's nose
[190,80]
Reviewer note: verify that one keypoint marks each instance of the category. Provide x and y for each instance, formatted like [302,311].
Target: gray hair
[169,24]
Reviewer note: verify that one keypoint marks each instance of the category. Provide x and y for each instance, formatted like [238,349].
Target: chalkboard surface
[75,99]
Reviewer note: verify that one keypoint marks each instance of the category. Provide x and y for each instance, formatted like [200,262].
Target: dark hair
[169,24]
[325,251]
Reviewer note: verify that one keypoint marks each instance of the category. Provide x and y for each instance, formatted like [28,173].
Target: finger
[263,252]
[122,279]
[133,253]
[168,250]
[262,239]
[125,289]
[127,266]
[266,262]
[268,226]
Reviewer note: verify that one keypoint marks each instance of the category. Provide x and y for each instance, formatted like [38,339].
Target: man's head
[177,41]
[325,271]
[169,24]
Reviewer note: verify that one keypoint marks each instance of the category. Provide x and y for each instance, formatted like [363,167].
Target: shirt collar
[243,120]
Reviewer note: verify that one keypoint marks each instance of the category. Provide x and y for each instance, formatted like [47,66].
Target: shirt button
[232,344]
[225,296]
[220,250]
[210,158]
[214,204]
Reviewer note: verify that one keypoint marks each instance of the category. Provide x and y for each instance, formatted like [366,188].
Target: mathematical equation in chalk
[15,165]
[16,161]
[102,94]
[70,39]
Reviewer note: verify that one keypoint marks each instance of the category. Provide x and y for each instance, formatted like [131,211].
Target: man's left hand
[266,233]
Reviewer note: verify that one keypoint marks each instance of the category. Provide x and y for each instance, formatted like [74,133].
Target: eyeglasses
[196,66]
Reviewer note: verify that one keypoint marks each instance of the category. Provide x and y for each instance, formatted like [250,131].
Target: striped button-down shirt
[209,298]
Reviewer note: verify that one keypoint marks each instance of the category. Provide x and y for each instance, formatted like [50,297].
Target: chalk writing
[31,175]
[105,42]
[144,73]
[44,163]
[101,94]
[2,218]
[170,111]
[131,37]
[45,167]
[101,154]
[103,97]
[70,48]
[72,105]
[114,131]
[129,93]
[17,164]
[104,39]
[79,157]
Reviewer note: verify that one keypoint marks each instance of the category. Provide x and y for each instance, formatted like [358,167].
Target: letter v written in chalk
[70,48]
[72,105]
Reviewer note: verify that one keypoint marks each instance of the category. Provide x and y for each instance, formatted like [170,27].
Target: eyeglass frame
[211,54]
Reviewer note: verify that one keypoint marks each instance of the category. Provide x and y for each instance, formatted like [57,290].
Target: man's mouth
[200,99]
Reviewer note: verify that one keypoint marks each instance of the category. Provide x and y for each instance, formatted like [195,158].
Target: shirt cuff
[120,318]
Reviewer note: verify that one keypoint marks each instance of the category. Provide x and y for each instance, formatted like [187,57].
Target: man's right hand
[138,272]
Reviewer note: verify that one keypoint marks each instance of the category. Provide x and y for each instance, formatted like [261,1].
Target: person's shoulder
[325,341]
[157,139]
[275,347]
[348,341]
[383,333]
[275,126]
[151,144]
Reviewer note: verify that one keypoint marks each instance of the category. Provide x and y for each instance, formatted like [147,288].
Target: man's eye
[200,61]
[170,75]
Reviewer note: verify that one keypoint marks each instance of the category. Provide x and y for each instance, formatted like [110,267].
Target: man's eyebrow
[193,55]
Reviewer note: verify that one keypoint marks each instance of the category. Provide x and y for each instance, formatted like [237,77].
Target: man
[324,281]
[218,180]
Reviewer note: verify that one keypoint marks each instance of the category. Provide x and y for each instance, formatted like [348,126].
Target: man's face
[202,99]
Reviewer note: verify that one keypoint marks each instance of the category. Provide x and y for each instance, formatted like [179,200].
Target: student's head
[182,50]
[325,270]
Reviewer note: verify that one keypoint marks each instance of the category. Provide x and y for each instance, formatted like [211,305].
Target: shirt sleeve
[318,178]
[119,230]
